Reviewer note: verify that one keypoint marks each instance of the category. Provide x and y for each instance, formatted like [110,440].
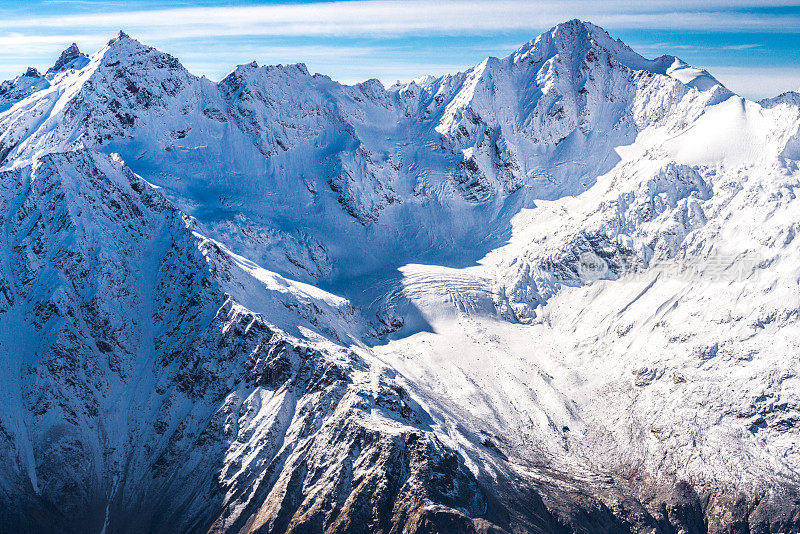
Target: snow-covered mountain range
[558,292]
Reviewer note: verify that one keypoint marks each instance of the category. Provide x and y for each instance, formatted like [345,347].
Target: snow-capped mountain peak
[70,58]
[471,302]
[506,121]
[576,38]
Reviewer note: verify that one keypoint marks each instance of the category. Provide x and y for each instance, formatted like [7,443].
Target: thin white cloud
[32,44]
[177,30]
[299,51]
[88,3]
[394,17]
[679,47]
[217,64]
[757,82]
[748,46]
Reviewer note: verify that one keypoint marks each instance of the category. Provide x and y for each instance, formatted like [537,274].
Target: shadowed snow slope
[558,292]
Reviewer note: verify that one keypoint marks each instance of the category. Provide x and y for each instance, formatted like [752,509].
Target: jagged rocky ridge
[511,348]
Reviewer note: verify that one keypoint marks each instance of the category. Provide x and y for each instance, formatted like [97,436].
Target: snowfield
[558,292]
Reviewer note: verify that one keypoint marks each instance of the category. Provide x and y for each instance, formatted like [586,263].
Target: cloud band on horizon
[35,34]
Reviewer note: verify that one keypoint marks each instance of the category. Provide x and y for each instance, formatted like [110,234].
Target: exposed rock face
[560,296]
[140,387]
[67,58]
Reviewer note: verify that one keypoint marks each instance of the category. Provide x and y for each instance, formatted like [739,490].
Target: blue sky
[753,46]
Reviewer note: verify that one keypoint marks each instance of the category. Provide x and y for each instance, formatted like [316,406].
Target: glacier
[557,292]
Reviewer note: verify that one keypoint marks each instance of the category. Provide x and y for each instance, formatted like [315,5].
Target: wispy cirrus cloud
[757,82]
[15,43]
[676,48]
[748,46]
[394,17]
[356,39]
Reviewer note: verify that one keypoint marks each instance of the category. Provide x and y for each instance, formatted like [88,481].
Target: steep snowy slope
[556,292]
[143,398]
[555,109]
[663,306]
[289,168]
